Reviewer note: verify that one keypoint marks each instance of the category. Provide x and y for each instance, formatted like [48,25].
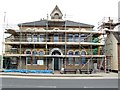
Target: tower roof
[56,9]
[56,13]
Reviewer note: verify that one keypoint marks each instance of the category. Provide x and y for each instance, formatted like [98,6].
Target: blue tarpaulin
[28,71]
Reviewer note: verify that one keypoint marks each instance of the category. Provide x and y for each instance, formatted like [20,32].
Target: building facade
[54,44]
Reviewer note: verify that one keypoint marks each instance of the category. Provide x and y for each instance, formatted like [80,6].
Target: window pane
[28,52]
[77,61]
[76,38]
[70,60]
[41,53]
[77,53]
[29,37]
[56,38]
[28,60]
[35,38]
[34,52]
[41,39]
[34,60]
[70,53]
[70,37]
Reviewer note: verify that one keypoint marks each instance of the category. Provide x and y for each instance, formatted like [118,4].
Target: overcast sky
[84,11]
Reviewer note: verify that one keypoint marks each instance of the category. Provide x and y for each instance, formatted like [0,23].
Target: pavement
[97,75]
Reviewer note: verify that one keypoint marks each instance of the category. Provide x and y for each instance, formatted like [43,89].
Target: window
[28,52]
[83,53]
[28,59]
[83,58]
[29,37]
[77,53]
[34,52]
[77,61]
[70,53]
[41,39]
[35,38]
[41,52]
[56,16]
[70,37]
[70,60]
[35,60]
[56,38]
[82,38]
[76,37]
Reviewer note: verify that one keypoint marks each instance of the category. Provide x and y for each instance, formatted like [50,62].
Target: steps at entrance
[56,72]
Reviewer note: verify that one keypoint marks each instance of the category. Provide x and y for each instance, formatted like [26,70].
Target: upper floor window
[70,37]
[56,16]
[29,37]
[76,37]
[82,38]
[41,39]
[35,37]
[56,38]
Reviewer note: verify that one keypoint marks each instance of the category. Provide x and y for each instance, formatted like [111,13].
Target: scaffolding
[108,24]
[89,37]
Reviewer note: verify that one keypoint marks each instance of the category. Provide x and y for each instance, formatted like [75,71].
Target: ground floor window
[35,60]
[70,60]
[83,60]
[28,59]
[77,61]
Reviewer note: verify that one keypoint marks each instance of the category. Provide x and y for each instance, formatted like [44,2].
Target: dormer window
[56,13]
[56,16]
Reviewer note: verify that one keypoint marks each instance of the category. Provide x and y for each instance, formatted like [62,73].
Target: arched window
[70,52]
[56,16]
[28,51]
[77,53]
[34,52]
[41,52]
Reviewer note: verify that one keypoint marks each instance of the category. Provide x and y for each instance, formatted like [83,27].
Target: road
[58,83]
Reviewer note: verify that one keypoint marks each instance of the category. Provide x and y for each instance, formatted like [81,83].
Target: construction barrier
[28,71]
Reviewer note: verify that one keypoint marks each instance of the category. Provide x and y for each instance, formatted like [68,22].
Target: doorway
[56,63]
[56,59]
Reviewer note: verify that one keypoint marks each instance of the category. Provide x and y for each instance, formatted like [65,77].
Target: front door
[56,63]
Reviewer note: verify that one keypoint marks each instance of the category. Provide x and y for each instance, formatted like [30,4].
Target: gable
[56,13]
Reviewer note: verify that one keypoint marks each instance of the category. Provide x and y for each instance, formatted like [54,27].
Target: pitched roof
[44,23]
[117,36]
[56,8]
